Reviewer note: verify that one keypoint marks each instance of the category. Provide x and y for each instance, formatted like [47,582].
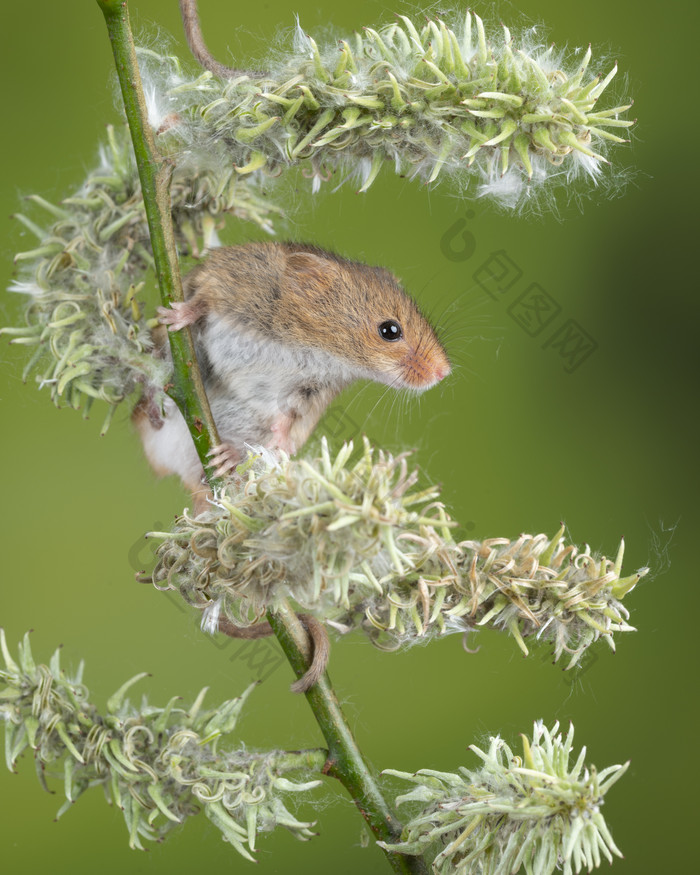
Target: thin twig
[155,173]
[344,760]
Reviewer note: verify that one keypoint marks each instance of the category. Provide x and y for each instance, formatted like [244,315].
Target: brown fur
[301,295]
[280,329]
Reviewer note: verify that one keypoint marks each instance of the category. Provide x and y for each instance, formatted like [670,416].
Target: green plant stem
[345,762]
[155,173]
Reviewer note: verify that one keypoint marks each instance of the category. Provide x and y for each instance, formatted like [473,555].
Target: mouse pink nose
[442,370]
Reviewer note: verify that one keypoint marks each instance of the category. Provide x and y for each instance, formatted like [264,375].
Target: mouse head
[361,314]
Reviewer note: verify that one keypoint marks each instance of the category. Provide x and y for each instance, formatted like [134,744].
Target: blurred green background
[519,443]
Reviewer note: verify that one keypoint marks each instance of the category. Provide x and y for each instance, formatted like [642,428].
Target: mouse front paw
[281,438]
[225,457]
[178,315]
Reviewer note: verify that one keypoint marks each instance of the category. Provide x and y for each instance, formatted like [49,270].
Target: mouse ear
[308,268]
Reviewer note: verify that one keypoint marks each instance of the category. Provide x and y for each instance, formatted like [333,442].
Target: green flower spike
[85,321]
[356,543]
[433,101]
[534,587]
[319,529]
[159,765]
[536,812]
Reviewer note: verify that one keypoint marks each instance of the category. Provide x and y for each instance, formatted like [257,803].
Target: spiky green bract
[535,587]
[318,529]
[159,765]
[85,324]
[431,100]
[354,542]
[537,813]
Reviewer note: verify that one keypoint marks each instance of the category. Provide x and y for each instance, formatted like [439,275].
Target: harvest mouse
[279,330]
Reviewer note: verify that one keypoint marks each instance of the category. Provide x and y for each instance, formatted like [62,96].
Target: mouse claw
[225,457]
[178,315]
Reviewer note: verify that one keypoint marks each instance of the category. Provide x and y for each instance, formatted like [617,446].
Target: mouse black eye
[390,330]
